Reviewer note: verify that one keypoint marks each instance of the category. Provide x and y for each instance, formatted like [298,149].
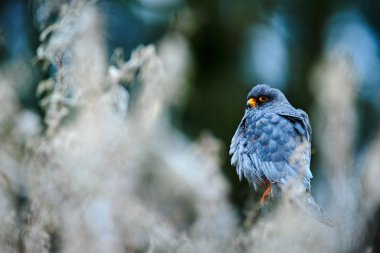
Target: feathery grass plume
[334,83]
[175,176]
[295,224]
[354,198]
[371,186]
[8,216]
[56,50]
[9,229]
[8,169]
[370,197]
[17,127]
[62,181]
[287,229]
[105,181]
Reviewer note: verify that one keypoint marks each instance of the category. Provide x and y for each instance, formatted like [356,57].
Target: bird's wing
[246,163]
[301,120]
[236,147]
[301,155]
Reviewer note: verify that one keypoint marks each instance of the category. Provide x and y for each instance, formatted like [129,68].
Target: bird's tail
[314,209]
[303,199]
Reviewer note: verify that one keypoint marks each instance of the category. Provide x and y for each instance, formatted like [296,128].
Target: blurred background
[233,45]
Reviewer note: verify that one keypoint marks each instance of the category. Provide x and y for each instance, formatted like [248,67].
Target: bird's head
[263,97]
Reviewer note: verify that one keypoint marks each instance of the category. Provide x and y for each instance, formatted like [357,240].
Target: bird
[271,147]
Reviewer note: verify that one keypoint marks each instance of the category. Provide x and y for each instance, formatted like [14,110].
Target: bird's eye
[263,98]
[251,103]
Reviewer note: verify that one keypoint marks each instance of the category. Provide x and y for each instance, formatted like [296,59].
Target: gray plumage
[272,141]
[272,145]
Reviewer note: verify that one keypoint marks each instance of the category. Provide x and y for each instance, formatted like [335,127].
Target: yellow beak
[251,102]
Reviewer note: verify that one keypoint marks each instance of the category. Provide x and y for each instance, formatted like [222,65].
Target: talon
[267,192]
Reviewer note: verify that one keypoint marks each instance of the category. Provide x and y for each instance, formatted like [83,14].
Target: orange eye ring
[251,103]
[263,98]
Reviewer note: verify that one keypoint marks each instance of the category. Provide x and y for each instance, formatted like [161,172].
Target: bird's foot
[268,192]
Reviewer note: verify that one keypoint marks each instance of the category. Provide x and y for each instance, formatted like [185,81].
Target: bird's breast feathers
[272,145]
